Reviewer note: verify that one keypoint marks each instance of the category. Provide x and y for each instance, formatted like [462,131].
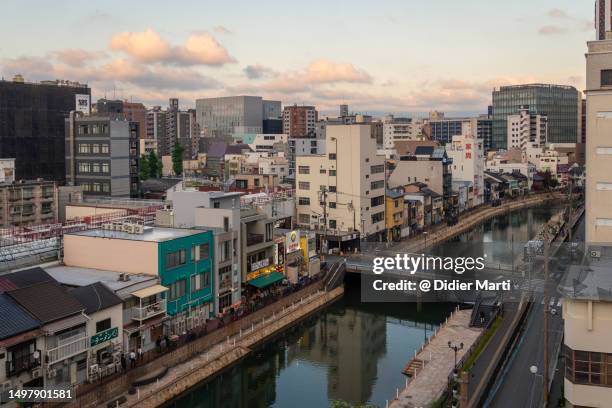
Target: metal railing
[66,349]
[145,312]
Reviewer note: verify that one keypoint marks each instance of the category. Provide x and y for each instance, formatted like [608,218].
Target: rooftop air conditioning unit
[138,229]
[595,254]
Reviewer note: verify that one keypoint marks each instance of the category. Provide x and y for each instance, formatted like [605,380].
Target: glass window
[174,259]
[606,77]
[103,325]
[177,289]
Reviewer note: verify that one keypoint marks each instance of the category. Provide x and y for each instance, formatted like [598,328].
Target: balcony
[148,311]
[21,364]
[67,348]
[225,285]
[254,239]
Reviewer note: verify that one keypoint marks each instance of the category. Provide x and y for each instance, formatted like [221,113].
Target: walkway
[431,380]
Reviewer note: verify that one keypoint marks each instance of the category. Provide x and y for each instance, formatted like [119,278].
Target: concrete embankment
[223,355]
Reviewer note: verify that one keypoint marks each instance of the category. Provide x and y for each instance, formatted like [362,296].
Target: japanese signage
[104,335]
[82,104]
[293,241]
[260,264]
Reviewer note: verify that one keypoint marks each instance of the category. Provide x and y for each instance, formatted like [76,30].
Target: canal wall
[222,356]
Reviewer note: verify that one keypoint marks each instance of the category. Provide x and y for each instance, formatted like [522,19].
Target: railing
[145,312]
[253,239]
[21,364]
[70,348]
[225,284]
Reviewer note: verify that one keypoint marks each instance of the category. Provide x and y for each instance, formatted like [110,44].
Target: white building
[395,129]
[352,177]
[7,170]
[497,165]
[468,163]
[526,128]
[274,165]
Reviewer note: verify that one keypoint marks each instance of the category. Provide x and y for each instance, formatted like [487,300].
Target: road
[517,386]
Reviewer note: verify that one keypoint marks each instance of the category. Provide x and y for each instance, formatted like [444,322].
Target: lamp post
[455,348]
[534,370]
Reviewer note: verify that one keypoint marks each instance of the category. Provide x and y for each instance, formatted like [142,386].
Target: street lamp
[455,348]
[534,370]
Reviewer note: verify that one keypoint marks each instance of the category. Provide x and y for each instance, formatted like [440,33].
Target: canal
[351,351]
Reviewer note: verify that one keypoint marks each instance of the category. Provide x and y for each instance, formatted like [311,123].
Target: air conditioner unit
[52,372]
[595,254]
[93,369]
[36,372]
[138,229]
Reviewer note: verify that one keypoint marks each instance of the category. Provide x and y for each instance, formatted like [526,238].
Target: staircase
[484,311]
[335,275]
[413,367]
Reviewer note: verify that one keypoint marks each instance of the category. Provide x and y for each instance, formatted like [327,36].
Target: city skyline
[413,59]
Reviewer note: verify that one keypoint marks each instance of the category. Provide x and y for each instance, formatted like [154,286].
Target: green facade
[171,275]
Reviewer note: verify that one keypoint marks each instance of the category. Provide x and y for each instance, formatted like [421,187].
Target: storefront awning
[267,280]
[150,291]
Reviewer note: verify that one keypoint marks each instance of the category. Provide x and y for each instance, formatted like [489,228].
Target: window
[95,167]
[322,171]
[303,169]
[84,167]
[103,325]
[225,224]
[96,187]
[106,187]
[332,189]
[332,224]
[332,204]
[177,289]
[379,168]
[174,259]
[377,184]
[332,156]
[83,129]
[224,251]
[376,201]
[83,148]
[269,232]
[606,77]
[95,148]
[304,185]
[303,218]
[304,201]
[584,367]
[200,281]
[105,168]
[332,173]
[378,217]
[104,148]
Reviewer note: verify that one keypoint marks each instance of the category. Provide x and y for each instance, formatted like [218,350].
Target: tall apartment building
[561,103]
[344,110]
[156,125]
[218,117]
[603,18]
[102,155]
[28,202]
[526,129]
[32,124]
[467,154]
[396,129]
[181,127]
[131,111]
[345,187]
[299,121]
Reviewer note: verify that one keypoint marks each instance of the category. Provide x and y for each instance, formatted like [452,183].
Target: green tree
[177,159]
[160,167]
[145,172]
[153,164]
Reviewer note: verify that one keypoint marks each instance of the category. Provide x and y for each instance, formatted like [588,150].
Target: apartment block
[28,202]
[467,154]
[102,155]
[526,129]
[345,186]
[299,121]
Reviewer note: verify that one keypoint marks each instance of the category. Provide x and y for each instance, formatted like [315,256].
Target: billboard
[83,104]
[293,241]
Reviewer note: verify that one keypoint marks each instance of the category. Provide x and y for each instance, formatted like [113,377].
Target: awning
[64,323]
[267,280]
[150,291]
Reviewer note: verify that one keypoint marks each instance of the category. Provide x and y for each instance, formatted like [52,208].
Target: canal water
[351,351]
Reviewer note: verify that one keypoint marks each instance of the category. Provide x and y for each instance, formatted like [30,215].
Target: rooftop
[47,301]
[13,318]
[150,234]
[588,282]
[95,297]
[24,278]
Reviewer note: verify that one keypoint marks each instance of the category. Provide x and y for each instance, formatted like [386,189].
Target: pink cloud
[325,71]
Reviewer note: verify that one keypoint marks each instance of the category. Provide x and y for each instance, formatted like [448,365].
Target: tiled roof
[47,301]
[22,279]
[95,297]
[13,318]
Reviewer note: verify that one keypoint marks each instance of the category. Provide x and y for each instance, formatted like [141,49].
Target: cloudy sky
[378,56]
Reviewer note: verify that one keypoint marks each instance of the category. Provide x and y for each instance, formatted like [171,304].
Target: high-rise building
[526,129]
[344,187]
[32,124]
[396,129]
[219,117]
[344,110]
[102,155]
[131,111]
[560,103]
[299,121]
[603,18]
[271,109]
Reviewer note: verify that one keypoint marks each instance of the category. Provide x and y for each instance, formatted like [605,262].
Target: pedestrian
[132,359]
[123,362]
[140,354]
[158,344]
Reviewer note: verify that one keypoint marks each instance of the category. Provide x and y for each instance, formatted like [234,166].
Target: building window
[304,200]
[96,187]
[606,77]
[303,219]
[303,169]
[174,259]
[379,168]
[83,129]
[95,148]
[332,224]
[83,148]
[95,167]
[104,148]
[105,168]
[322,171]
[105,187]
[332,173]
[376,201]
[177,289]
[378,184]
[304,185]
[84,168]
[332,204]
[332,189]
[378,217]
[587,367]
[200,281]
[103,325]
[332,156]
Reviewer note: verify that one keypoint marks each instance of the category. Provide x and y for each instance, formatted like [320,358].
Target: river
[351,351]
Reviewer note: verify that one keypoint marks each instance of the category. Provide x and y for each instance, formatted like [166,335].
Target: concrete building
[156,125]
[102,155]
[561,103]
[598,144]
[344,110]
[299,121]
[501,164]
[394,213]
[262,142]
[526,128]
[603,18]
[32,125]
[130,111]
[299,146]
[400,129]
[182,259]
[28,202]
[345,187]
[7,170]
[467,154]
[257,247]
[225,116]
[271,109]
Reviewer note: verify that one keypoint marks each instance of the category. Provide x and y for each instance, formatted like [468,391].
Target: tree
[153,164]
[145,171]
[177,159]
[160,168]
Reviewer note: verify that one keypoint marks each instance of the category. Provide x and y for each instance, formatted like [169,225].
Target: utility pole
[545,371]
[323,198]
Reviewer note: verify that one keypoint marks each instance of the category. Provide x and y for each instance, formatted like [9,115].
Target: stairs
[414,367]
[485,310]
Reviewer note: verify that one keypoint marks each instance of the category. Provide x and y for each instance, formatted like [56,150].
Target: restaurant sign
[104,335]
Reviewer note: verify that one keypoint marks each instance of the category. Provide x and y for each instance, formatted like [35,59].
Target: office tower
[32,124]
[222,117]
[344,111]
[156,126]
[299,121]
[271,109]
[526,129]
[560,103]
[131,111]
[102,155]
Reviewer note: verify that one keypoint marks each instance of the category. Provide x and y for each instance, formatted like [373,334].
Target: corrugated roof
[424,150]
[47,301]
[150,291]
[95,297]
[14,319]
[22,279]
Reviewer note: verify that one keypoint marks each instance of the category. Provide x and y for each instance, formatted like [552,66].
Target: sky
[377,56]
